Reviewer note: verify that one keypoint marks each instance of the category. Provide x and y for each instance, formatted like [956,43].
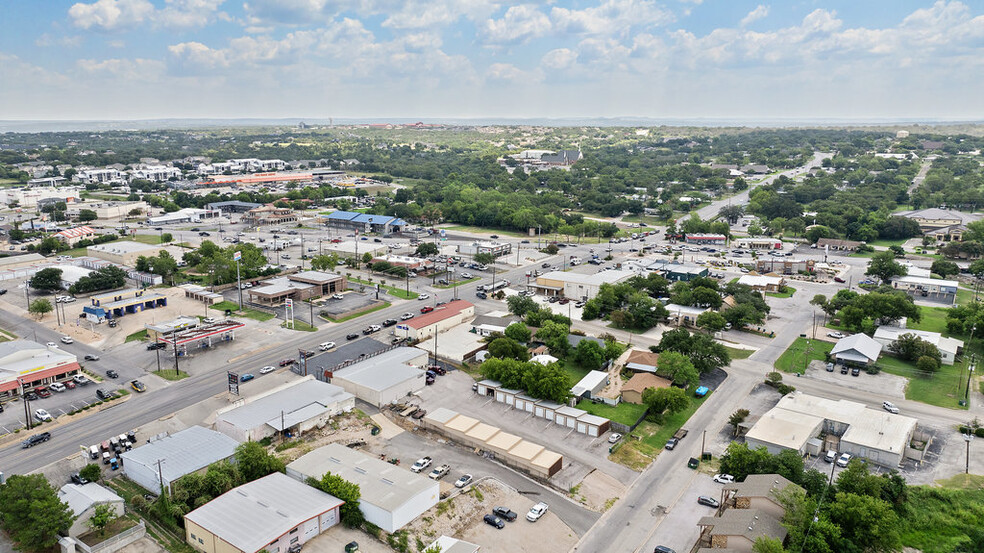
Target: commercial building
[72,235]
[100,176]
[762,283]
[838,244]
[156,331]
[633,389]
[439,320]
[383,378]
[934,219]
[269,215]
[416,264]
[674,272]
[161,462]
[122,252]
[391,496]
[493,248]
[949,347]
[83,500]
[510,450]
[25,364]
[857,349]
[233,206]
[707,239]
[757,243]
[785,265]
[298,287]
[684,315]
[939,290]
[114,305]
[156,173]
[577,286]
[811,425]
[270,514]
[186,215]
[364,223]
[297,406]
[108,210]
[485,325]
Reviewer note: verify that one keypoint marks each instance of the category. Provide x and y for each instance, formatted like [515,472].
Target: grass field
[933,320]
[573,371]
[168,374]
[940,517]
[254,314]
[486,230]
[787,294]
[965,296]
[886,243]
[799,354]
[739,353]
[392,290]
[625,413]
[943,389]
[136,336]
[646,442]
[383,305]
[299,326]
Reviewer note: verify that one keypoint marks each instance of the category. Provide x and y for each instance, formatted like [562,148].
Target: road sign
[289,303]
[236,256]
[233,382]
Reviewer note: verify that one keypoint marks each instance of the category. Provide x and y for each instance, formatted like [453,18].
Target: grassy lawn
[152,239]
[487,230]
[943,389]
[456,283]
[393,290]
[886,243]
[254,314]
[940,523]
[138,335]
[168,374]
[933,320]
[787,294]
[625,413]
[964,296]
[739,353]
[299,326]
[383,305]
[646,442]
[797,356]
[573,371]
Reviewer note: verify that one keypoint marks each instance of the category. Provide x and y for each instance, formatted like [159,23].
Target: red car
[839,279]
[426,309]
[336,240]
[286,362]
[42,391]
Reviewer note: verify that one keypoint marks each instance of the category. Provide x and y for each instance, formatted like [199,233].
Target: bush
[927,364]
[979,432]
[785,388]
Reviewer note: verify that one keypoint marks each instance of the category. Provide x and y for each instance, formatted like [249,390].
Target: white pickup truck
[439,472]
[421,464]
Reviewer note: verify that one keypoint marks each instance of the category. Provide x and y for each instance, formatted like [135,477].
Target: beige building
[577,286]
[639,383]
[109,210]
[298,287]
[269,215]
[123,252]
[73,235]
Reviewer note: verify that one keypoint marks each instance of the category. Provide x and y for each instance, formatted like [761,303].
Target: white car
[51,345]
[614,438]
[423,297]
[466,275]
[42,415]
[724,478]
[67,340]
[421,464]
[890,407]
[837,335]
[406,316]
[536,512]
[844,459]
[326,346]
[463,481]
[337,296]
[267,369]
[57,387]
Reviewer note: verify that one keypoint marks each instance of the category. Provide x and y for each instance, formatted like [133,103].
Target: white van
[94,452]
[326,346]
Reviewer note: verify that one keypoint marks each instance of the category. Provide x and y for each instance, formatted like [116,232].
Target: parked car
[156,345]
[663,549]
[844,459]
[493,520]
[42,391]
[845,369]
[709,501]
[246,377]
[439,472]
[614,438]
[288,361]
[724,478]
[42,415]
[890,407]
[537,511]
[839,279]
[671,443]
[830,367]
[418,414]
[337,296]
[57,387]
[104,395]
[267,369]
[421,464]
[112,374]
[81,379]
[35,440]
[91,357]
[463,481]
[67,340]
[78,480]
[406,316]
[831,456]
[837,335]
[429,379]
[351,336]
[505,513]
[856,371]
[70,384]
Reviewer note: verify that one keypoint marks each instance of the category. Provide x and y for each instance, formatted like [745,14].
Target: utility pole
[160,474]
[174,339]
[27,406]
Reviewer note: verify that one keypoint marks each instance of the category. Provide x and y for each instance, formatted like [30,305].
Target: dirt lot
[599,491]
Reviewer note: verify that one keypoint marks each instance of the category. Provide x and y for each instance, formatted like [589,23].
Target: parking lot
[677,528]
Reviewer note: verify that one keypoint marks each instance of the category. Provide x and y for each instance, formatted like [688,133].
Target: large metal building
[163,461]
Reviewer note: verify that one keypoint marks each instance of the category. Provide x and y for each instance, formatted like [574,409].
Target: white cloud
[760,12]
[510,73]
[427,14]
[110,15]
[613,17]
[127,69]
[113,15]
[519,25]
[70,41]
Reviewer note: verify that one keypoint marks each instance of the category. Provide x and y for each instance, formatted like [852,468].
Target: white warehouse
[384,378]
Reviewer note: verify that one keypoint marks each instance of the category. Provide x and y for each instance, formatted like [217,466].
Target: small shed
[548,462]
[507,396]
[592,425]
[567,416]
[488,387]
[546,409]
[526,403]
[591,384]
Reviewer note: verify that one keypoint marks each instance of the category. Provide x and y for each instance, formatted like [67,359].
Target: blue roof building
[365,222]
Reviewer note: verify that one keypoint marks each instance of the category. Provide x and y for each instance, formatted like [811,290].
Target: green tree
[765,544]
[731,213]
[705,354]
[660,401]
[102,515]
[163,264]
[255,462]
[367,257]
[677,367]
[484,258]
[503,348]
[86,215]
[884,266]
[427,248]
[554,335]
[737,418]
[817,232]
[324,262]
[518,331]
[944,268]
[912,348]
[867,523]
[142,264]
[31,512]
[588,354]
[50,244]
[927,365]
[521,305]
[91,472]
[166,238]
[40,307]
[711,321]
[348,492]
[47,279]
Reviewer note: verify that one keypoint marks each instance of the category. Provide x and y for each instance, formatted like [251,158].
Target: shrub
[979,432]
[785,388]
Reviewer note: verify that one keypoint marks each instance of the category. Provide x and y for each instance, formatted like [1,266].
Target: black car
[112,374]
[30,396]
[663,549]
[482,295]
[156,345]
[77,479]
[352,336]
[505,513]
[389,322]
[493,520]
[35,440]
[103,395]
[3,291]
[856,371]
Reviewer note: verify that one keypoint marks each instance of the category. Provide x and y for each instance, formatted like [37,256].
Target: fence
[116,542]
[321,373]
[624,428]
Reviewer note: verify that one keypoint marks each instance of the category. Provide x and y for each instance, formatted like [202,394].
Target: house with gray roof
[739,528]
[83,500]
[163,461]
[859,349]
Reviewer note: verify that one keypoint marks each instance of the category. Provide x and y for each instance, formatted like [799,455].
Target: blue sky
[138,59]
